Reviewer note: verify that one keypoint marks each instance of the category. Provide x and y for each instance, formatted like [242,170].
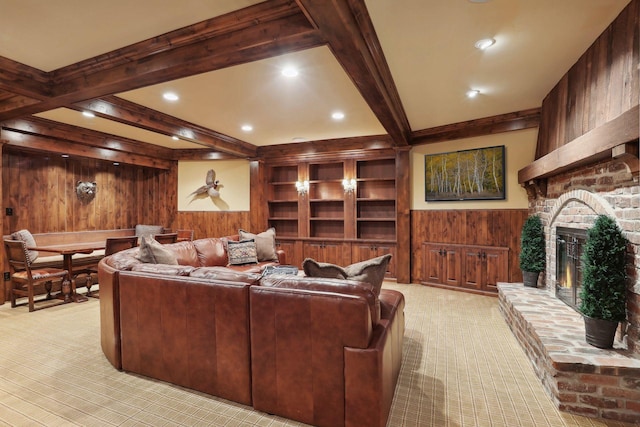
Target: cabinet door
[432,263]
[291,249]
[365,251]
[496,268]
[473,268]
[334,252]
[452,268]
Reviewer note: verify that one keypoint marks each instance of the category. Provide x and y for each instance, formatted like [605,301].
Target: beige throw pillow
[155,253]
[265,243]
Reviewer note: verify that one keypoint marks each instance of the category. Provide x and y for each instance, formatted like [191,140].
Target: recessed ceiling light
[289,71]
[170,96]
[175,138]
[116,164]
[479,1]
[88,114]
[64,156]
[473,93]
[247,128]
[337,115]
[298,139]
[484,43]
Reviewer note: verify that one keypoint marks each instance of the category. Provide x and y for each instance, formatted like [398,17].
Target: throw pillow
[313,268]
[242,252]
[371,271]
[143,230]
[265,243]
[155,253]
[29,241]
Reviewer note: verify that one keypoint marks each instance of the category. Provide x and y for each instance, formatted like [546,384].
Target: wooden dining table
[68,250]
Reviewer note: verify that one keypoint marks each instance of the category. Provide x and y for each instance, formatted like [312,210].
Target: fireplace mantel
[618,139]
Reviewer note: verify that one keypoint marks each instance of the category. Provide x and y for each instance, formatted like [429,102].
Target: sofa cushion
[185,253]
[212,251]
[371,271]
[26,236]
[313,268]
[164,269]
[322,284]
[155,253]
[224,273]
[242,252]
[265,243]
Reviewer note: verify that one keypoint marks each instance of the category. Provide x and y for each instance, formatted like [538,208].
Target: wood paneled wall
[603,84]
[40,188]
[471,227]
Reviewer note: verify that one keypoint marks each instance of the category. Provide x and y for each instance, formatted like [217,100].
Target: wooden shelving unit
[331,224]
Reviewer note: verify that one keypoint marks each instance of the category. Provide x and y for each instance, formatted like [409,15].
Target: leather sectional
[325,352]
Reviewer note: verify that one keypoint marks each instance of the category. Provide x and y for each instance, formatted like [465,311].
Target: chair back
[166,238]
[184,235]
[17,255]
[117,244]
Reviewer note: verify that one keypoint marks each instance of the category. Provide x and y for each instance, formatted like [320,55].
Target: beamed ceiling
[398,70]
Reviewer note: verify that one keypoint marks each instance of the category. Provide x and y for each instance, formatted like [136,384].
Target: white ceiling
[428,44]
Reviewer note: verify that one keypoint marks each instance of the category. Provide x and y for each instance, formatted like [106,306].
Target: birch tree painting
[465,175]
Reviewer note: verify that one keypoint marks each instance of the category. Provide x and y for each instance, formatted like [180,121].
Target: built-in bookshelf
[328,221]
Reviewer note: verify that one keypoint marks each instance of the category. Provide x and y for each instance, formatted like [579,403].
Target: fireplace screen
[569,245]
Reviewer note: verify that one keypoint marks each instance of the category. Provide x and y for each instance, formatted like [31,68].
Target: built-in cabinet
[346,212]
[477,268]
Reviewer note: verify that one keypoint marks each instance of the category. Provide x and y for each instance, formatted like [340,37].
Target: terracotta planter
[600,333]
[530,278]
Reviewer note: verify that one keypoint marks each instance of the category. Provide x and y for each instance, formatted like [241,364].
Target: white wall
[234,175]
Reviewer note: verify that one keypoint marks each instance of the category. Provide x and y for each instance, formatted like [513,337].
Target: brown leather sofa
[326,352]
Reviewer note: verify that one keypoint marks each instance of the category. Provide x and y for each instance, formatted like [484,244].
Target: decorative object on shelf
[533,257]
[302,187]
[349,185]
[212,186]
[465,175]
[604,282]
[86,191]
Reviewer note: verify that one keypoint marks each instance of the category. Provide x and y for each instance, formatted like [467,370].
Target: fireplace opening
[569,244]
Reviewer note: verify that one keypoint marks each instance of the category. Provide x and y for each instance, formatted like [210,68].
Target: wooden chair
[24,279]
[112,245]
[166,238]
[184,235]
[117,244]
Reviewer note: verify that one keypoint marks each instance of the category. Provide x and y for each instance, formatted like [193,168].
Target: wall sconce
[349,185]
[302,187]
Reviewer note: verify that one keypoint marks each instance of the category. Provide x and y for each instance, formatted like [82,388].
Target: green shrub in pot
[533,256]
[604,281]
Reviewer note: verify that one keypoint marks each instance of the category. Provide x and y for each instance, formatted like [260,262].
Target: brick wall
[574,199]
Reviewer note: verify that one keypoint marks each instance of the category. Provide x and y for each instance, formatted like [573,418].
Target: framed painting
[476,174]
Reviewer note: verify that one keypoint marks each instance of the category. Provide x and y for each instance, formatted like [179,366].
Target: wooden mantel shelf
[617,138]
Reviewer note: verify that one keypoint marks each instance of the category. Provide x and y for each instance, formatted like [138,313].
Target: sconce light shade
[349,185]
[302,186]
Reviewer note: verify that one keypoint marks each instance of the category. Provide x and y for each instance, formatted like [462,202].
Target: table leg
[68,265]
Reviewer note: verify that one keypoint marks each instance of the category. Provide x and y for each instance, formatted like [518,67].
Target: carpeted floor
[462,367]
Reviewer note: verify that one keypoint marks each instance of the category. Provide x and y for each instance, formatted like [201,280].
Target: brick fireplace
[580,378]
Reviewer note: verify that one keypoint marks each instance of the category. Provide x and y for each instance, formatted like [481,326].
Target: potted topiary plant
[604,277]
[533,256]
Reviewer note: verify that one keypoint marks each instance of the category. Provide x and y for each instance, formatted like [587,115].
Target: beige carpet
[462,367]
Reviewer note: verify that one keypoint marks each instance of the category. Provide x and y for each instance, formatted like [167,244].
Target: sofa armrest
[282,257]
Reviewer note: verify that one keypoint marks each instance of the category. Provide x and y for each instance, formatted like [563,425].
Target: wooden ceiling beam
[251,39]
[132,114]
[38,143]
[485,126]
[313,149]
[348,29]
[49,129]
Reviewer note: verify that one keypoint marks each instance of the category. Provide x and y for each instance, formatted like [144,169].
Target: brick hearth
[579,378]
